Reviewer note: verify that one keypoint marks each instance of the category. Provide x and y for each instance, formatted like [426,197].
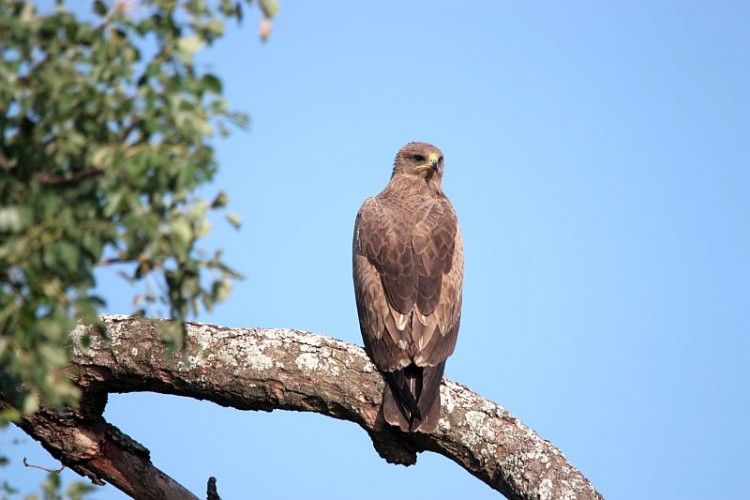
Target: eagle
[408,274]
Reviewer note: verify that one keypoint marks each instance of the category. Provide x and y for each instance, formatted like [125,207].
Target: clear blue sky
[598,156]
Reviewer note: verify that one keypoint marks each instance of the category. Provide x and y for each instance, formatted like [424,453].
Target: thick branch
[267,369]
[93,448]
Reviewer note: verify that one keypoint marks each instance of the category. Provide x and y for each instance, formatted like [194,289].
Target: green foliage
[51,489]
[105,134]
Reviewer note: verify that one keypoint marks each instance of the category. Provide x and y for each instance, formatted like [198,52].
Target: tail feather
[411,399]
[406,386]
[431,378]
[393,412]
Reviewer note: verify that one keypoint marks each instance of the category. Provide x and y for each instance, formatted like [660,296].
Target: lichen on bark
[267,369]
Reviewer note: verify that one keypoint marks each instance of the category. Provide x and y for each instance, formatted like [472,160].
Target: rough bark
[268,369]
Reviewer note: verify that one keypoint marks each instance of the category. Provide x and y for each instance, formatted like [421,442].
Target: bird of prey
[408,272]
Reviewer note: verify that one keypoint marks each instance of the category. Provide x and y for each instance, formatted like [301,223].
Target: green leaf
[221,200]
[211,83]
[30,404]
[215,27]
[79,490]
[270,8]
[51,329]
[234,220]
[181,232]
[14,219]
[189,45]
[221,290]
[10,415]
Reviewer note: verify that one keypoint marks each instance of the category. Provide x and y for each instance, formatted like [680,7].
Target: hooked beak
[434,162]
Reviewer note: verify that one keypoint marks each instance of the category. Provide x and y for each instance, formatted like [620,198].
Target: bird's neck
[418,186]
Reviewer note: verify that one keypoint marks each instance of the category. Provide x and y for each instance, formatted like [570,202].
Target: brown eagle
[408,271]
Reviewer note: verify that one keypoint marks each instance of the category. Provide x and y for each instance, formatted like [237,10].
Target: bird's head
[419,159]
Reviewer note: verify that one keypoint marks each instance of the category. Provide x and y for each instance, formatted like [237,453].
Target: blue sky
[598,156]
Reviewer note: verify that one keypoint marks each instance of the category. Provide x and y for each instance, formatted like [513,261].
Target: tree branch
[267,369]
[93,448]
[54,180]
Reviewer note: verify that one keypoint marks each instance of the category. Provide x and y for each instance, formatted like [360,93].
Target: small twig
[45,469]
[130,128]
[120,7]
[27,78]
[116,260]
[54,180]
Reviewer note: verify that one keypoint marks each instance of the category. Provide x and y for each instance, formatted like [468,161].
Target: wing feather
[433,244]
[385,241]
[378,319]
[439,335]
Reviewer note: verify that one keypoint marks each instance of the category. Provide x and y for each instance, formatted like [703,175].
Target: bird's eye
[419,158]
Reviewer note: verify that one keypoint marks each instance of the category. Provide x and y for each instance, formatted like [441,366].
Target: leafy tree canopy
[105,134]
